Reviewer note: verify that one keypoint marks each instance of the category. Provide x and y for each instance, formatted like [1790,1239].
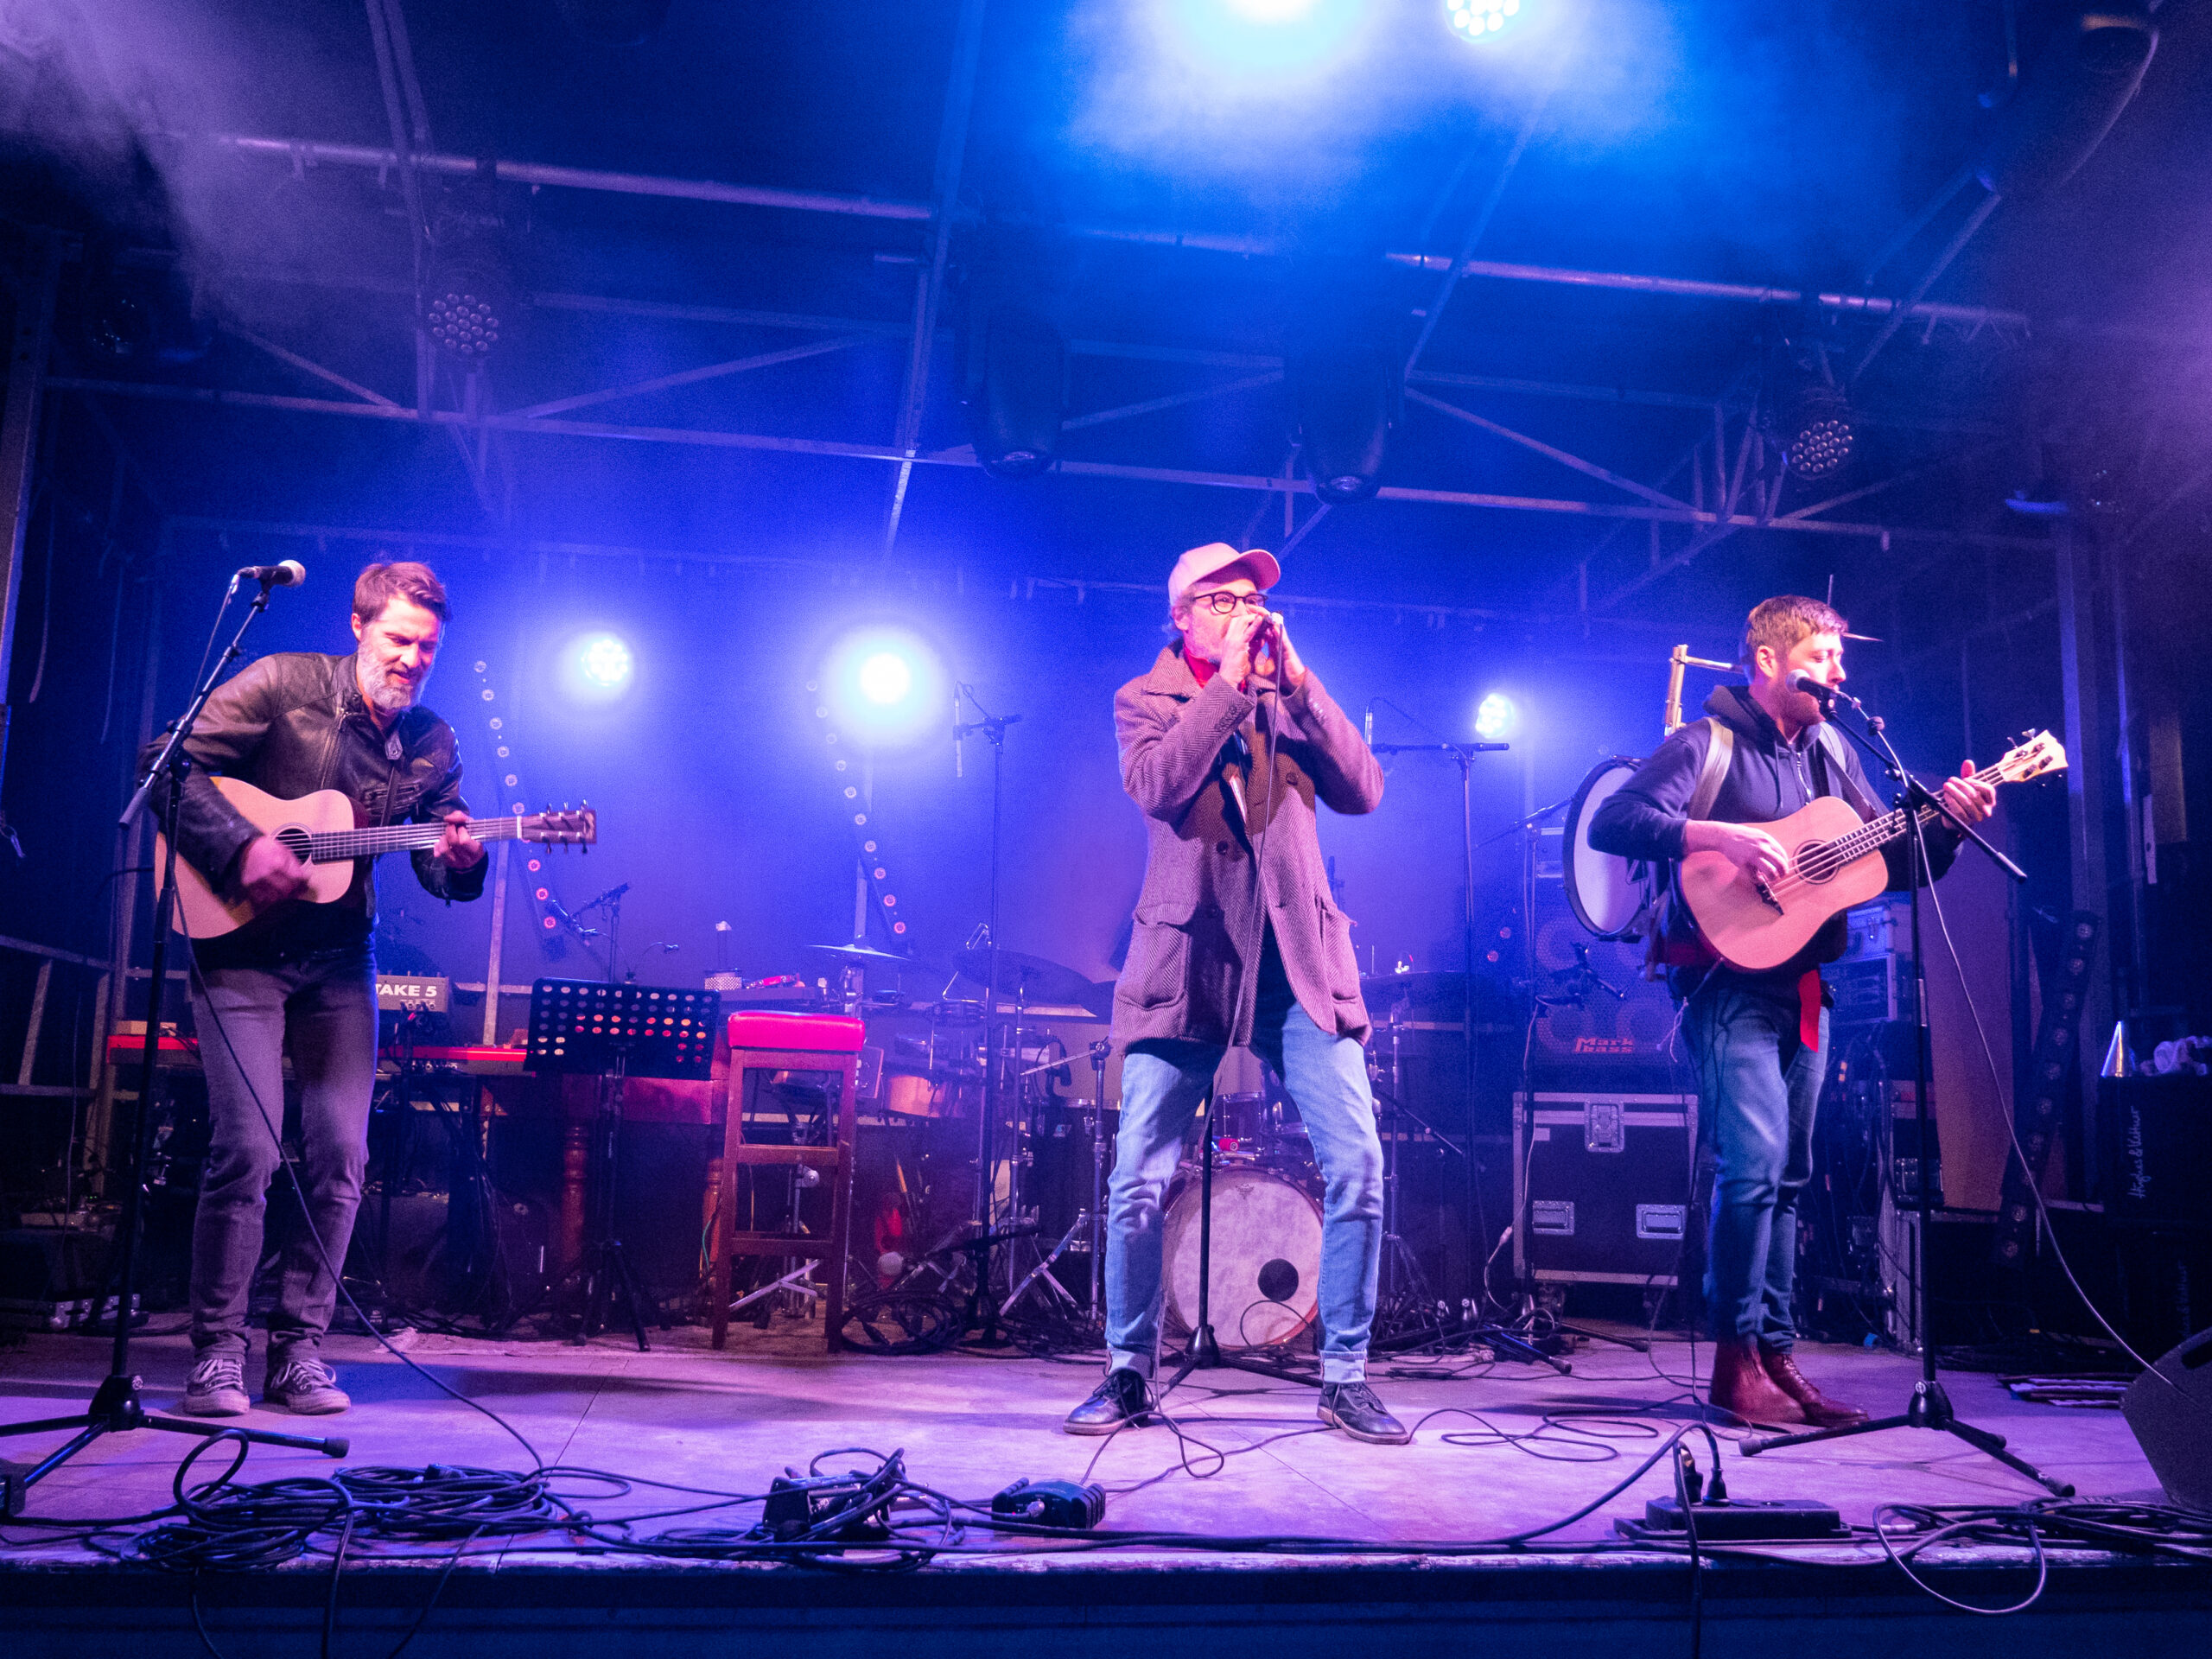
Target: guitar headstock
[2034,756]
[576,826]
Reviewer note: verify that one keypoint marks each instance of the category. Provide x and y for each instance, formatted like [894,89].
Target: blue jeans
[1758,1085]
[323,1007]
[1325,1076]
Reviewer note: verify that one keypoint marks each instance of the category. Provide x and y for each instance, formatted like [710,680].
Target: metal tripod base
[1205,1354]
[1929,1407]
[117,1409]
[605,1270]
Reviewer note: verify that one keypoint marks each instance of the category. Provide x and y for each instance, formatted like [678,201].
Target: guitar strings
[1821,862]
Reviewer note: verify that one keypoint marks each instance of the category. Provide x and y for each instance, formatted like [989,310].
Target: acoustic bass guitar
[1835,861]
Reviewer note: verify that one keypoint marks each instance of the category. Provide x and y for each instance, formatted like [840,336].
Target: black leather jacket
[291,724]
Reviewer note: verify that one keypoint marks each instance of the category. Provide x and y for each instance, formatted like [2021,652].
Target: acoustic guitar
[1835,861]
[321,831]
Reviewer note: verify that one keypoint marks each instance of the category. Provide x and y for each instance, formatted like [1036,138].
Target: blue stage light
[1495,717]
[1480,20]
[884,686]
[1264,36]
[604,660]
[885,678]
[597,668]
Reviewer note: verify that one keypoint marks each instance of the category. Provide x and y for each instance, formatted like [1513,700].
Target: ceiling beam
[831,449]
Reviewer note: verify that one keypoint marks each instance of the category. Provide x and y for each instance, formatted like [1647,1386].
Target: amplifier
[2157,1136]
[1605,1026]
[1871,990]
[1602,1189]
[423,993]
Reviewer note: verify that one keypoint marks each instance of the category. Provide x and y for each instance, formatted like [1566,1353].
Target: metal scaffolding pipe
[311,153]
[831,449]
[307,152]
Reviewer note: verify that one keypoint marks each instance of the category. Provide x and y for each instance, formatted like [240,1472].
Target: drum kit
[1045,1183]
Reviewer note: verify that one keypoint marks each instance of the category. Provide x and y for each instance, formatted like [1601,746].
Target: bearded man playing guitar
[1759,1039]
[301,976]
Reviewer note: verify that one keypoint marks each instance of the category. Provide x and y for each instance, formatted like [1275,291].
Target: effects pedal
[1738,1520]
[1051,1504]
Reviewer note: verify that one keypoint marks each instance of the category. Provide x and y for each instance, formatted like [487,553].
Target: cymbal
[862,955]
[1042,981]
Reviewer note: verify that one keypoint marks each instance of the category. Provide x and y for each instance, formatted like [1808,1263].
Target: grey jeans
[323,1009]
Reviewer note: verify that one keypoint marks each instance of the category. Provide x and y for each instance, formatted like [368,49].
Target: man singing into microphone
[1759,1041]
[301,978]
[1225,745]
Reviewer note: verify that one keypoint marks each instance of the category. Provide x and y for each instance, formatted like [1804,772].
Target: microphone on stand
[1826,695]
[290,573]
[1367,726]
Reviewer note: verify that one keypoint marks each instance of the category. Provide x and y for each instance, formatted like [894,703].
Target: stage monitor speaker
[2170,1408]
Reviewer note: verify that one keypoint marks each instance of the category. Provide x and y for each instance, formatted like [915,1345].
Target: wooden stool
[767,1041]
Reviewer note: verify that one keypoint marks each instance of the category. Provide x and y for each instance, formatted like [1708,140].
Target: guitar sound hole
[1806,862]
[296,839]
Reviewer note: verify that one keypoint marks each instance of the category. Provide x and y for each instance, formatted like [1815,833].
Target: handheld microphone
[290,573]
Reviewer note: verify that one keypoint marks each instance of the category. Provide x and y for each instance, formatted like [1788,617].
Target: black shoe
[1353,1408]
[1121,1397]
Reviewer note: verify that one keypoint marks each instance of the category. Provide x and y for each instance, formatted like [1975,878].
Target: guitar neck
[335,846]
[1890,826]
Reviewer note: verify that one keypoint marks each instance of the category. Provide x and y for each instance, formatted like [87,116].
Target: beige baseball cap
[1195,566]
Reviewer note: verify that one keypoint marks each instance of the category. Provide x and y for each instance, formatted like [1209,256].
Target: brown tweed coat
[1212,770]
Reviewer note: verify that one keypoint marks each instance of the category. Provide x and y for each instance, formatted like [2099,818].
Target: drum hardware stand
[399,1096]
[1088,1222]
[1930,1406]
[1401,1276]
[992,728]
[116,1405]
[1464,755]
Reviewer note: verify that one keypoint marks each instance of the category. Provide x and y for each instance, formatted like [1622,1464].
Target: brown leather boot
[1741,1385]
[1819,1411]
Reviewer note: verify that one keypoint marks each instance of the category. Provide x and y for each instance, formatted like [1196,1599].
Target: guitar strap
[1671,943]
[1838,759]
[1719,752]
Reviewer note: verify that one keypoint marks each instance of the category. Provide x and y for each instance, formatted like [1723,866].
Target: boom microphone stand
[1929,1407]
[116,1405]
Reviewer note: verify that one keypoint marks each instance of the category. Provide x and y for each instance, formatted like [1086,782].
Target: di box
[1602,1187]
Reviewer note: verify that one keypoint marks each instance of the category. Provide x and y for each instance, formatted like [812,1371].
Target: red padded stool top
[815,1034]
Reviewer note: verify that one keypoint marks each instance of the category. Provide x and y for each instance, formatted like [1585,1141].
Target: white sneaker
[217,1386]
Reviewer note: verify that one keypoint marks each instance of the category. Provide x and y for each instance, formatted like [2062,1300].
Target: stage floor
[970,1425]
[1255,1462]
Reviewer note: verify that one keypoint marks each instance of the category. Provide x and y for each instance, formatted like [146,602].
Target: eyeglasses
[1224,603]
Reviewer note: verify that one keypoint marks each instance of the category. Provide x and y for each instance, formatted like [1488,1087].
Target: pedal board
[1738,1520]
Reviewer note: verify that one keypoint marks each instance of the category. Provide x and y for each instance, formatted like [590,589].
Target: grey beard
[382,693]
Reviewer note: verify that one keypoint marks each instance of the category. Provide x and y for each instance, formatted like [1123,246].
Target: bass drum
[1266,1258]
[1610,895]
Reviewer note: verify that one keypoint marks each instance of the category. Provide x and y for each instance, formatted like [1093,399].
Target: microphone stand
[1929,1407]
[1464,755]
[117,1405]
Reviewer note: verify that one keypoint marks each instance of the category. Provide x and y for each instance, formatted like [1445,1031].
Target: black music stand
[614,1032]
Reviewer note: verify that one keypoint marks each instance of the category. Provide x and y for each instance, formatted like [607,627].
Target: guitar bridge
[1766,898]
